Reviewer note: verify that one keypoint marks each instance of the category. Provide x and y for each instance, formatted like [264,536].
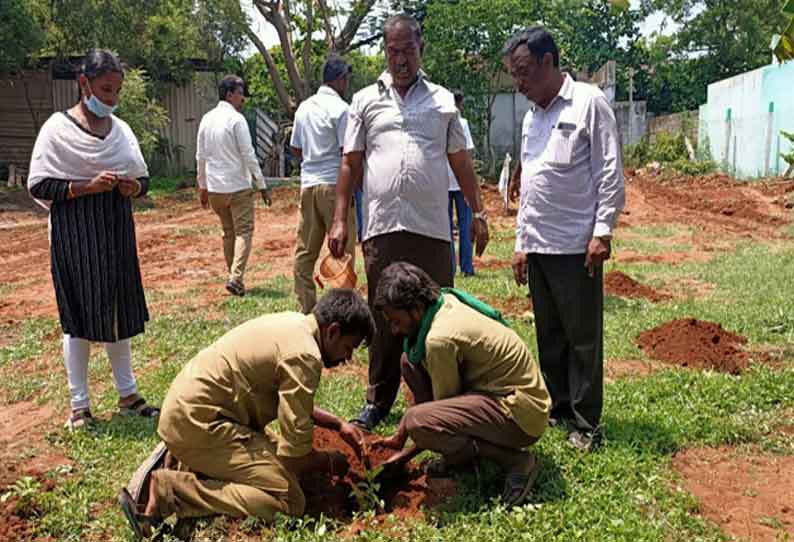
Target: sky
[267,33]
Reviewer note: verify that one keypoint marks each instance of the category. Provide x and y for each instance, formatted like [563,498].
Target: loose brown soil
[17,517]
[696,344]
[620,284]
[713,203]
[750,496]
[405,496]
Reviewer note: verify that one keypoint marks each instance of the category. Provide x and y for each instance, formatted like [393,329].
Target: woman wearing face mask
[86,165]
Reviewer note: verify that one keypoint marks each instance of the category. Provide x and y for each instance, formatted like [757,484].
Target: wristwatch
[481,215]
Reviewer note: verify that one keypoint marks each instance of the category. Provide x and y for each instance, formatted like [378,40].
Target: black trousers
[569,320]
[431,255]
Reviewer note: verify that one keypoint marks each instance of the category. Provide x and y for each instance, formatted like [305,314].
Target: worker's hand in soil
[479,232]
[104,182]
[204,198]
[598,251]
[353,436]
[520,267]
[337,238]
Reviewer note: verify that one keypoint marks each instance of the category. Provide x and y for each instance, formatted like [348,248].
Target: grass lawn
[627,491]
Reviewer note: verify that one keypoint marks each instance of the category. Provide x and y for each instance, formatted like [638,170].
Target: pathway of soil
[750,496]
[696,344]
[406,496]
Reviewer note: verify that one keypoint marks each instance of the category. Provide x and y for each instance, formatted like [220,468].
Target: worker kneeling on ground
[215,417]
[477,391]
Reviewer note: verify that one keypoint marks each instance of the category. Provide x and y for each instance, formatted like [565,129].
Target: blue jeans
[358,194]
[466,250]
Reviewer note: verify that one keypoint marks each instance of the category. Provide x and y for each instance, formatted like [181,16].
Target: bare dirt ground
[749,495]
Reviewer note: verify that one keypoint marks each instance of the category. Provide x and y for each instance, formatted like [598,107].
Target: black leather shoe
[370,416]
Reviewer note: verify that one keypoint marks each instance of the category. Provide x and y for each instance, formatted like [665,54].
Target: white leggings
[76,352]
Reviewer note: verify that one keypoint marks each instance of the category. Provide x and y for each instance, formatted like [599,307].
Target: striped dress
[94,261]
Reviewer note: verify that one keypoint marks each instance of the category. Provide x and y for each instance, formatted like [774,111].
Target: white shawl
[64,151]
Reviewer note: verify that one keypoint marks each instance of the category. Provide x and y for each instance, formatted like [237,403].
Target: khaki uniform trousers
[236,211]
[317,207]
[241,476]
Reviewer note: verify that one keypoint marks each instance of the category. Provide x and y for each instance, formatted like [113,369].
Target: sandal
[517,485]
[141,524]
[80,419]
[140,408]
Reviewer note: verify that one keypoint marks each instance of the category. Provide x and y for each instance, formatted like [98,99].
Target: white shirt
[224,153]
[319,131]
[406,143]
[571,172]
[453,181]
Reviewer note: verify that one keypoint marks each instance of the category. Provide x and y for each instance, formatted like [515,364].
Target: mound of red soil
[332,495]
[694,343]
[620,284]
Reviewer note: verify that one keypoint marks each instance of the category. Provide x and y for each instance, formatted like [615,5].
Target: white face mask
[98,107]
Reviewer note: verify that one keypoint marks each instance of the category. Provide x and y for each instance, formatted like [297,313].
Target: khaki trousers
[242,476]
[317,205]
[236,211]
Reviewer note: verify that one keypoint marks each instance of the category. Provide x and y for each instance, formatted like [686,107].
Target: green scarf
[416,351]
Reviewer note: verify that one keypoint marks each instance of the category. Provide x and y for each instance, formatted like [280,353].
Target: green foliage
[366,492]
[26,492]
[685,166]
[670,151]
[145,115]
[21,34]
[715,40]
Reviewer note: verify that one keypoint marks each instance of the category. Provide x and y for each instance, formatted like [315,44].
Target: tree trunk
[307,48]
[281,91]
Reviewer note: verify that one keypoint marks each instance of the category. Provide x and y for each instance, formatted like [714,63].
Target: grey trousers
[569,320]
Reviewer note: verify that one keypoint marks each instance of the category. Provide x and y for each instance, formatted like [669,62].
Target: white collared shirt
[453,181]
[319,131]
[225,157]
[571,172]
[406,142]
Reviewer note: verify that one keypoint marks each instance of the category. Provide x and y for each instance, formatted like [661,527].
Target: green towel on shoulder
[416,350]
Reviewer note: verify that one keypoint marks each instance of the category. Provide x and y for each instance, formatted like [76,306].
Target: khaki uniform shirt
[468,352]
[263,370]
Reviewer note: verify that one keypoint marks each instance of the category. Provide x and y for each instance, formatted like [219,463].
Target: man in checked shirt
[401,133]
[570,178]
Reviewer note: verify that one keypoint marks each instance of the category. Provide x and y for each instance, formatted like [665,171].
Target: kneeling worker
[215,417]
[477,391]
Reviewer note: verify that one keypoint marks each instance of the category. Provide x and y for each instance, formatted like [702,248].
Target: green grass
[163,186]
[625,492]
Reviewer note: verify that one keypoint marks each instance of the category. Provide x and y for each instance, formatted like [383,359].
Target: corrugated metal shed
[185,105]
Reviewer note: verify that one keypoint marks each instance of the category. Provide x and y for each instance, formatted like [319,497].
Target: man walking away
[317,139]
[226,162]
[571,184]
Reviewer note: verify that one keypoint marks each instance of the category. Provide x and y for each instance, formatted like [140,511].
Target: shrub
[144,114]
